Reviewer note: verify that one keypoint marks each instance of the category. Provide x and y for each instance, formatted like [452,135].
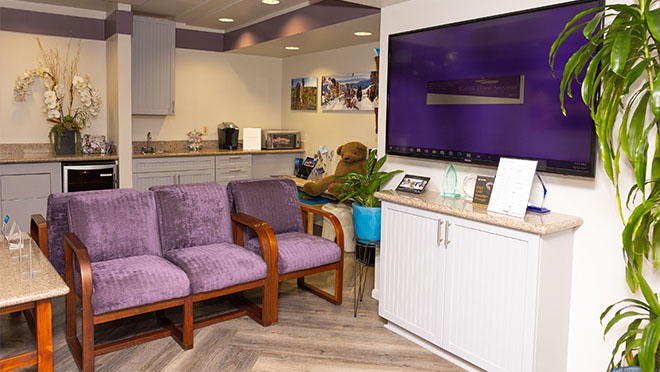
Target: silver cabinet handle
[447,241]
[234,157]
[179,179]
[234,170]
[439,237]
[105,175]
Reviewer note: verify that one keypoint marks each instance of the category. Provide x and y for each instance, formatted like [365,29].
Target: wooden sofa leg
[339,284]
[188,323]
[87,339]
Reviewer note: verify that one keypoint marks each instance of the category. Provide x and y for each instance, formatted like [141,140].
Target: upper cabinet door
[152,72]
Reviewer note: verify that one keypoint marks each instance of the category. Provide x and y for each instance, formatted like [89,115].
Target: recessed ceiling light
[291,48]
[226,20]
[271,2]
[362,33]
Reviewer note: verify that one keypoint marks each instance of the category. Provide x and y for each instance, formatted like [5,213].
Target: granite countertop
[49,158]
[212,152]
[534,223]
[17,287]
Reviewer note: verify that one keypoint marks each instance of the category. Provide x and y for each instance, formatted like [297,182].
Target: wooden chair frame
[307,212]
[39,232]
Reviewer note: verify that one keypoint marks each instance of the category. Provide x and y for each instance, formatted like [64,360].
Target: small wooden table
[20,292]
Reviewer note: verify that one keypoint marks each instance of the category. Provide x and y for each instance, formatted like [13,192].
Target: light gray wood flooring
[311,335]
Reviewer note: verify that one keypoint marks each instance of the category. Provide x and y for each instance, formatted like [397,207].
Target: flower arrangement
[62,83]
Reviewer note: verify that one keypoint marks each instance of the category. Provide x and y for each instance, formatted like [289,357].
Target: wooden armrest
[39,232]
[73,246]
[335,222]
[264,233]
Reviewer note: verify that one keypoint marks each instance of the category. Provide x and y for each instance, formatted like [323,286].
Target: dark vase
[66,145]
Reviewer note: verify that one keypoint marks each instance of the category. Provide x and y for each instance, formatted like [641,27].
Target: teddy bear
[353,159]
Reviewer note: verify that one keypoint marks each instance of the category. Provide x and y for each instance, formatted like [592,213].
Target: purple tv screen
[480,90]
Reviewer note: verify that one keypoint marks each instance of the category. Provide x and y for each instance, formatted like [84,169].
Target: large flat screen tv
[482,89]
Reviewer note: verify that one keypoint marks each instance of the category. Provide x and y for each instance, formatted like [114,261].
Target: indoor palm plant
[361,188]
[62,84]
[618,68]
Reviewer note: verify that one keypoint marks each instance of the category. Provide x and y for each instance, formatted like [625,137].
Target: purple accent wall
[119,22]
[321,14]
[18,20]
[199,40]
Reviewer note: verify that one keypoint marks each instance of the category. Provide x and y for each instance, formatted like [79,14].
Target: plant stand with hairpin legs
[363,251]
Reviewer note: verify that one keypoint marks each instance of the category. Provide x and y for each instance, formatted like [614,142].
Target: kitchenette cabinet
[149,172]
[232,168]
[24,189]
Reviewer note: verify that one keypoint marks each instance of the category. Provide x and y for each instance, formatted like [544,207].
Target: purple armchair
[275,201]
[119,270]
[196,234]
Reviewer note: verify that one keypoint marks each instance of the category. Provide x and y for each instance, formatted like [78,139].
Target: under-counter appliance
[89,175]
[228,135]
[280,139]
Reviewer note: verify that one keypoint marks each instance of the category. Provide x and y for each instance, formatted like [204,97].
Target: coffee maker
[228,135]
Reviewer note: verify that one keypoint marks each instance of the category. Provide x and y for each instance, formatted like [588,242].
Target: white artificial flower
[78,82]
[59,91]
[50,99]
[53,114]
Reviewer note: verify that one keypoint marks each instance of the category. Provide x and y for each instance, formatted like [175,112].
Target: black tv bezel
[494,161]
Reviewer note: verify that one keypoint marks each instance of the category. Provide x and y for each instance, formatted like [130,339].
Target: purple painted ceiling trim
[199,40]
[321,14]
[119,22]
[18,20]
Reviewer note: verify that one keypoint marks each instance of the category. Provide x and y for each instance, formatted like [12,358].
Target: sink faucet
[148,149]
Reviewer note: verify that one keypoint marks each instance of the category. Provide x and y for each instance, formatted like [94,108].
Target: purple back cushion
[193,215]
[274,200]
[115,224]
[57,218]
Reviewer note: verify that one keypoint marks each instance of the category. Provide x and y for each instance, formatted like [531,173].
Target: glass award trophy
[450,183]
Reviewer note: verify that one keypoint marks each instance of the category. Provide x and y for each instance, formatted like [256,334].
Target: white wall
[331,129]
[212,87]
[597,267]
[25,122]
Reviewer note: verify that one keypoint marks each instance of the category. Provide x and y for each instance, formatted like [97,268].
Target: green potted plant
[618,68]
[361,188]
[62,85]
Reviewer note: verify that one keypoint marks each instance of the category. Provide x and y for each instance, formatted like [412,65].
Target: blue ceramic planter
[366,221]
[627,369]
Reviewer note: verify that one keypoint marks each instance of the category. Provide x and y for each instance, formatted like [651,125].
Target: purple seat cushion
[192,215]
[299,251]
[274,200]
[115,224]
[134,281]
[57,219]
[218,266]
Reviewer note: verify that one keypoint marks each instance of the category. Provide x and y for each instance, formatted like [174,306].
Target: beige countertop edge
[214,152]
[541,224]
[17,300]
[47,158]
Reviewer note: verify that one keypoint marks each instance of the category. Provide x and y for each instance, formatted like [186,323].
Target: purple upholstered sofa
[131,252]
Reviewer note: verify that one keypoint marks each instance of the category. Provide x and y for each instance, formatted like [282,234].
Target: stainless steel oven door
[83,177]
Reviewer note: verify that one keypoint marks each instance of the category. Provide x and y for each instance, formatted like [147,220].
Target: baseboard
[433,348]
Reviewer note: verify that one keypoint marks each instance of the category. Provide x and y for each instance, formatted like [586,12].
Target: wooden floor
[312,335]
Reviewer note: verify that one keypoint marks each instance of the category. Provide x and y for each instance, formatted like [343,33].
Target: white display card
[513,184]
[251,138]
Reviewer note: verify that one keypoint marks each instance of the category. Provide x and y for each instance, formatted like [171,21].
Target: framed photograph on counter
[413,184]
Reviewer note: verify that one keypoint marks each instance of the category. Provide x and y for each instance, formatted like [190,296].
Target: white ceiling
[205,14]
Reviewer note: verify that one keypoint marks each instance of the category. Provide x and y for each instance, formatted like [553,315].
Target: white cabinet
[152,66]
[149,172]
[412,292]
[496,297]
[274,164]
[24,189]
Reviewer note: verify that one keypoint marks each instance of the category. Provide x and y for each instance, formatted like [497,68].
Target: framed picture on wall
[356,91]
[303,93]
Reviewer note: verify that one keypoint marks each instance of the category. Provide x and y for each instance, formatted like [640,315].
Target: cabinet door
[267,165]
[412,267]
[143,181]
[153,55]
[490,299]
[195,176]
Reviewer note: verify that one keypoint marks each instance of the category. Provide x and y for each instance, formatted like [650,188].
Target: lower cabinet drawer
[223,177]
[23,186]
